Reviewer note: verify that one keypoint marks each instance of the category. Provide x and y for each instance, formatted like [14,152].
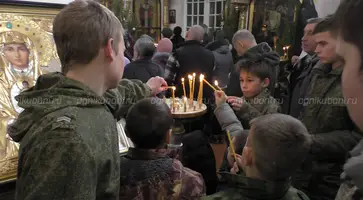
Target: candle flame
[216,82]
[194,74]
[174,88]
[182,79]
[201,77]
[185,98]
[190,77]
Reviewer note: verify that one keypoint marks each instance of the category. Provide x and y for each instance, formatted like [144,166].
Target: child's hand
[237,165]
[220,97]
[235,102]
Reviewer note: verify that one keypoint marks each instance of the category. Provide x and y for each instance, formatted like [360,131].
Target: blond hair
[81,29]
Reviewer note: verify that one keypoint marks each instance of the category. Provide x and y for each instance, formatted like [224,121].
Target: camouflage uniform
[155,174]
[260,105]
[244,188]
[327,120]
[68,139]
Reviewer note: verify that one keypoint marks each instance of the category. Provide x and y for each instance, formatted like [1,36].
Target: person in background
[223,59]
[300,70]
[247,48]
[326,117]
[350,47]
[177,39]
[143,68]
[163,52]
[69,146]
[263,170]
[150,170]
[166,33]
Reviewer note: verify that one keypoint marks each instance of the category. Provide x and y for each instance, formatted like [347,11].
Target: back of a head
[165,45]
[148,122]
[144,48]
[167,32]
[325,25]
[243,35]
[147,36]
[280,144]
[196,32]
[177,30]
[81,28]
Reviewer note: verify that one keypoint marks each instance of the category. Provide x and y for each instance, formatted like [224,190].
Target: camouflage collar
[260,100]
[255,188]
[149,154]
[326,69]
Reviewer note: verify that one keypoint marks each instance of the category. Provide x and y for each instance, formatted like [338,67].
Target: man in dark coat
[191,57]
[247,48]
[300,70]
[143,68]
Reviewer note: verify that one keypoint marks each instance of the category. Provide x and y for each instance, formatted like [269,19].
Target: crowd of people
[312,150]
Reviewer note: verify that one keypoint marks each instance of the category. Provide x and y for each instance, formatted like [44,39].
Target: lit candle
[210,85]
[193,85]
[200,94]
[190,77]
[185,103]
[173,98]
[216,84]
[185,94]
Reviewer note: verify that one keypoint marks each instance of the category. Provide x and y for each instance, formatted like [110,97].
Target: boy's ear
[266,82]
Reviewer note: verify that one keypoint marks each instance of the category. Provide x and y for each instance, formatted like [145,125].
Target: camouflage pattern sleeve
[248,112]
[228,120]
[127,93]
[58,168]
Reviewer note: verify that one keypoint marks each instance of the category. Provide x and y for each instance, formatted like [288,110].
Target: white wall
[326,7]
[180,7]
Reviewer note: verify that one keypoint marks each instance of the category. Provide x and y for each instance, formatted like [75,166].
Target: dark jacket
[223,61]
[299,83]
[177,40]
[244,188]
[161,58]
[333,134]
[190,57]
[157,174]
[68,139]
[143,70]
[260,52]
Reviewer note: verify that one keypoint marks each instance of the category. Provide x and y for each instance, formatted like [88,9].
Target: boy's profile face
[251,85]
